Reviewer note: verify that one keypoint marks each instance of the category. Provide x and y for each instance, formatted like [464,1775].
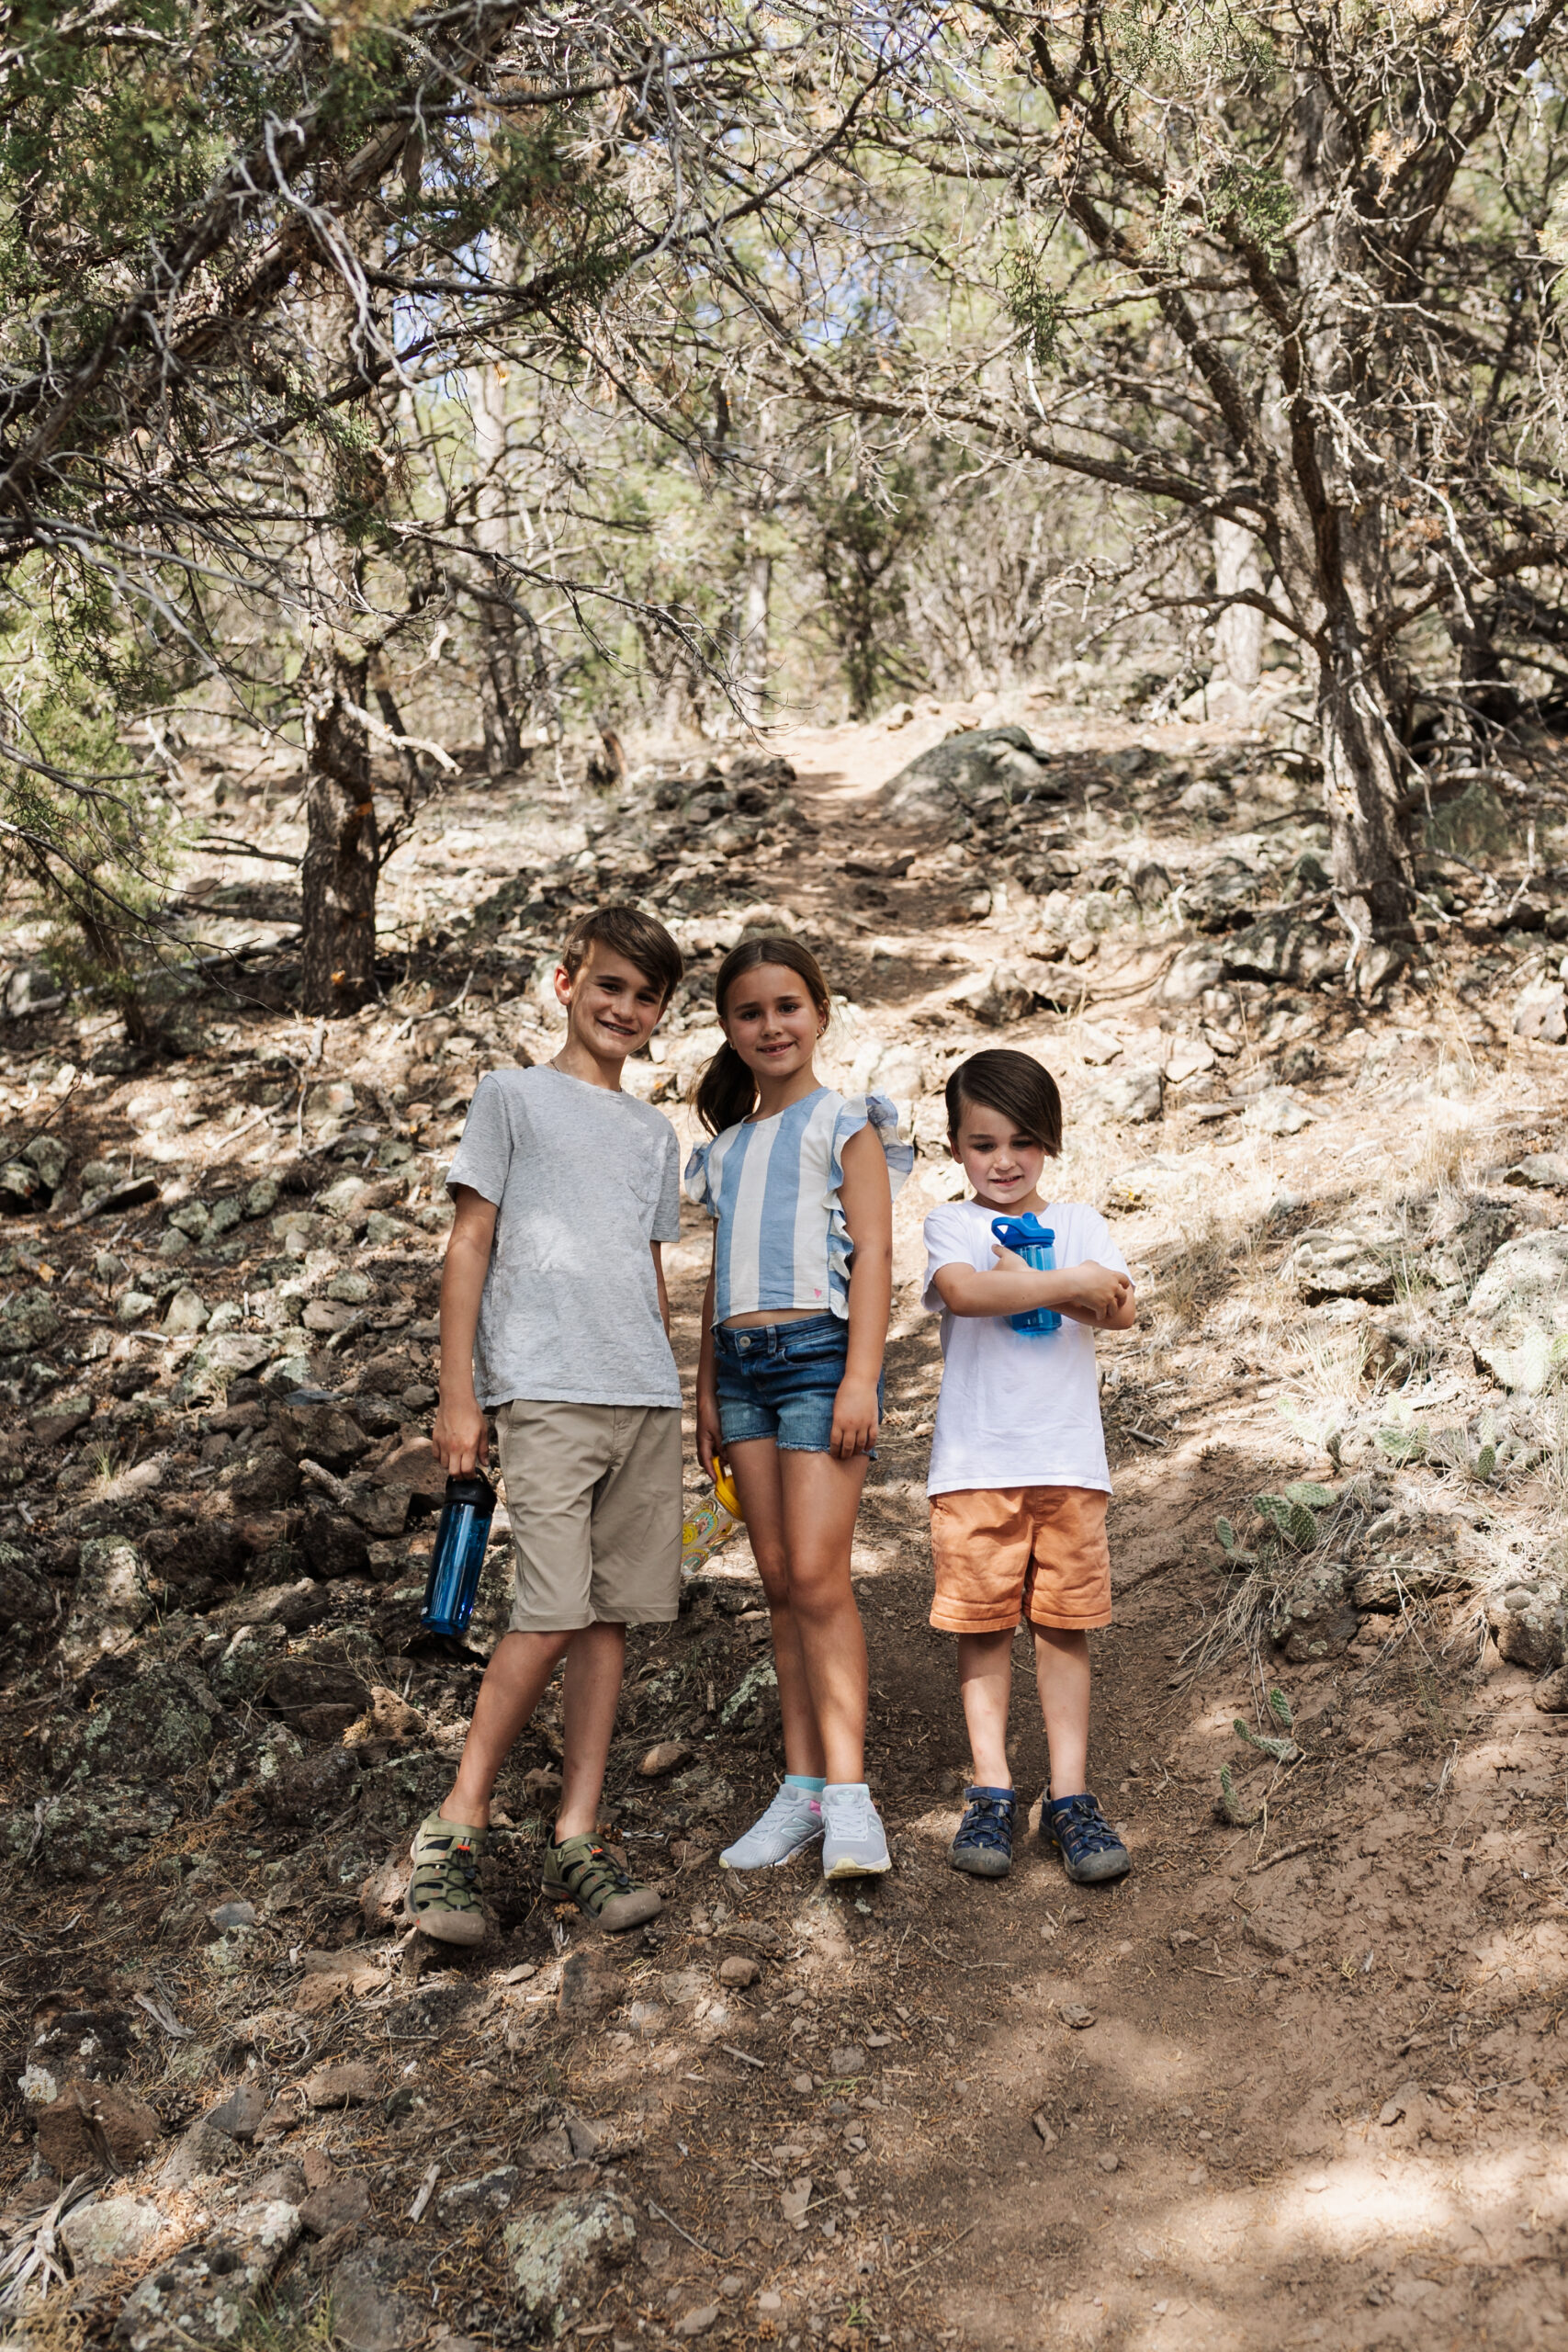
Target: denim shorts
[779,1379]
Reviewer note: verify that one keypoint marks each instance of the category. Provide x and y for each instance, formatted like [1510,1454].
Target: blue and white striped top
[773,1186]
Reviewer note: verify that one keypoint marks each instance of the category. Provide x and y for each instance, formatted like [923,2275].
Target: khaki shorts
[1005,1552]
[594,1495]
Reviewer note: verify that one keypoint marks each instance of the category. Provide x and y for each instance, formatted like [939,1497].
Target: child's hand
[855,1419]
[710,1444]
[1099,1293]
[461,1436]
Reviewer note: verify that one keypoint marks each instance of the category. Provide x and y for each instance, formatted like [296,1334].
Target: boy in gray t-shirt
[554,1317]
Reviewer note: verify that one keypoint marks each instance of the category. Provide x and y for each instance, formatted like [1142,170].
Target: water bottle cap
[471,1486]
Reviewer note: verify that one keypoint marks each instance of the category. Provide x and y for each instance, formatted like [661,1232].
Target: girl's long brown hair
[726,1091]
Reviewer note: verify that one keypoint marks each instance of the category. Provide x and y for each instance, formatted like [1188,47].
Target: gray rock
[115,2229]
[50,1156]
[340,2204]
[198,2153]
[27,1596]
[87,1836]
[370,2314]
[154,1729]
[1541,1012]
[1517,1321]
[1276,1112]
[1388,1586]
[1339,1263]
[29,1320]
[203,2295]
[1545,1170]
[112,1601]
[953,771]
[1131,1095]
[1527,1621]
[475,2201]
[560,2258]
[187,1312]
[1282,947]
[1310,1620]
[241,2113]
[1007,991]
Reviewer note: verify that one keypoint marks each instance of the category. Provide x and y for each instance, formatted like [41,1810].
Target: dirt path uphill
[1298,2080]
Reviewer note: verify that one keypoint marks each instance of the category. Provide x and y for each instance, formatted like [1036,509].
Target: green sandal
[578,1870]
[444,1893]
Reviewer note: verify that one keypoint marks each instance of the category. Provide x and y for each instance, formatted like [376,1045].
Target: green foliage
[1404,1446]
[1283,1751]
[1227,1534]
[1037,309]
[1227,1804]
[1308,1491]
[1280,1708]
[1291,1517]
[1485,1463]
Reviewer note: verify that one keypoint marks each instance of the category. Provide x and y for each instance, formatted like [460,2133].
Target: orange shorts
[1004,1553]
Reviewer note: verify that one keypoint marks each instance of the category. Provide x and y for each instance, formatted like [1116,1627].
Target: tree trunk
[1369,858]
[752,665]
[338,875]
[500,690]
[1238,632]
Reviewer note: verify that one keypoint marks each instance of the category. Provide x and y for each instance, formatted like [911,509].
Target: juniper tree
[1289,269]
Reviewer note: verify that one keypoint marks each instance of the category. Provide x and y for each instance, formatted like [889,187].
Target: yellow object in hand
[723,1488]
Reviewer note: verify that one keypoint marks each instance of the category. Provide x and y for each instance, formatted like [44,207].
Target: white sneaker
[854,1844]
[791,1823]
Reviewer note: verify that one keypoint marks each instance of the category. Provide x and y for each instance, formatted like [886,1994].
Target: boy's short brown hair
[626,930]
[1017,1086]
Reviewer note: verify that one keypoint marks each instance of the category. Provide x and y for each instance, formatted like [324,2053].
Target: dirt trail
[1300,2082]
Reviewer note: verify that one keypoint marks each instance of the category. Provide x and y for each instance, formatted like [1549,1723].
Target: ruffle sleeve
[697,1183]
[860,1111]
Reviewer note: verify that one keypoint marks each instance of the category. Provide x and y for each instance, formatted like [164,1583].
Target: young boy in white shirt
[1018,1482]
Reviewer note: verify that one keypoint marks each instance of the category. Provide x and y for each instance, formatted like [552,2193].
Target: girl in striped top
[800,1183]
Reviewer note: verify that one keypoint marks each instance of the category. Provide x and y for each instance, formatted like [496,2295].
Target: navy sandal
[1091,1849]
[983,1844]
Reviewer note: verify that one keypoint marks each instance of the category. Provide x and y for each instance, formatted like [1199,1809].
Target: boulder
[95,2128]
[86,1835]
[1339,1263]
[1007,991]
[311,1791]
[155,1728]
[204,2294]
[27,1598]
[1311,1619]
[296,1686]
[114,2229]
[331,1545]
[1544,1171]
[1541,1012]
[952,772]
[1527,1623]
[112,1601]
[325,1432]
[369,2312]
[28,1320]
[1283,945]
[1516,1322]
[1131,1095]
[562,2258]
[264,1480]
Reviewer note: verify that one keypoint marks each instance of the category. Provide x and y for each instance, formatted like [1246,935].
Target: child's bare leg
[590,1692]
[984,1683]
[514,1684]
[1061,1667]
[821,1497]
[755,1468]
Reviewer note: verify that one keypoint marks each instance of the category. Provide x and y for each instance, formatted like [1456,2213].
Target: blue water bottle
[458,1556]
[1030,1240]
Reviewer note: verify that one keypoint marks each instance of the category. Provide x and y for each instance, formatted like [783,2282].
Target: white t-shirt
[1016,1410]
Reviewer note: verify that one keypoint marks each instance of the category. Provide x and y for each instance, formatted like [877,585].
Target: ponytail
[726,1091]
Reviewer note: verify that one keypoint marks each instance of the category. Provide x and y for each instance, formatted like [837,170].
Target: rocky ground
[1300,2079]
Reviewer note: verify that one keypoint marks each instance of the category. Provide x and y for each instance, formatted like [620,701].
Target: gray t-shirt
[584,1180]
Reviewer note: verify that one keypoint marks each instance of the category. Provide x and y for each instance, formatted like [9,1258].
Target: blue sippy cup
[1030,1240]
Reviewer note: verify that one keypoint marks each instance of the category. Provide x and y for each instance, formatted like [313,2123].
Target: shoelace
[1083,1826]
[851,1816]
[988,1821]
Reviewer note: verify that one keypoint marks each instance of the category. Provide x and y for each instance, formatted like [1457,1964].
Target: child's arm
[1088,1293]
[867,1199]
[658,1249]
[709,1442]
[461,1433]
